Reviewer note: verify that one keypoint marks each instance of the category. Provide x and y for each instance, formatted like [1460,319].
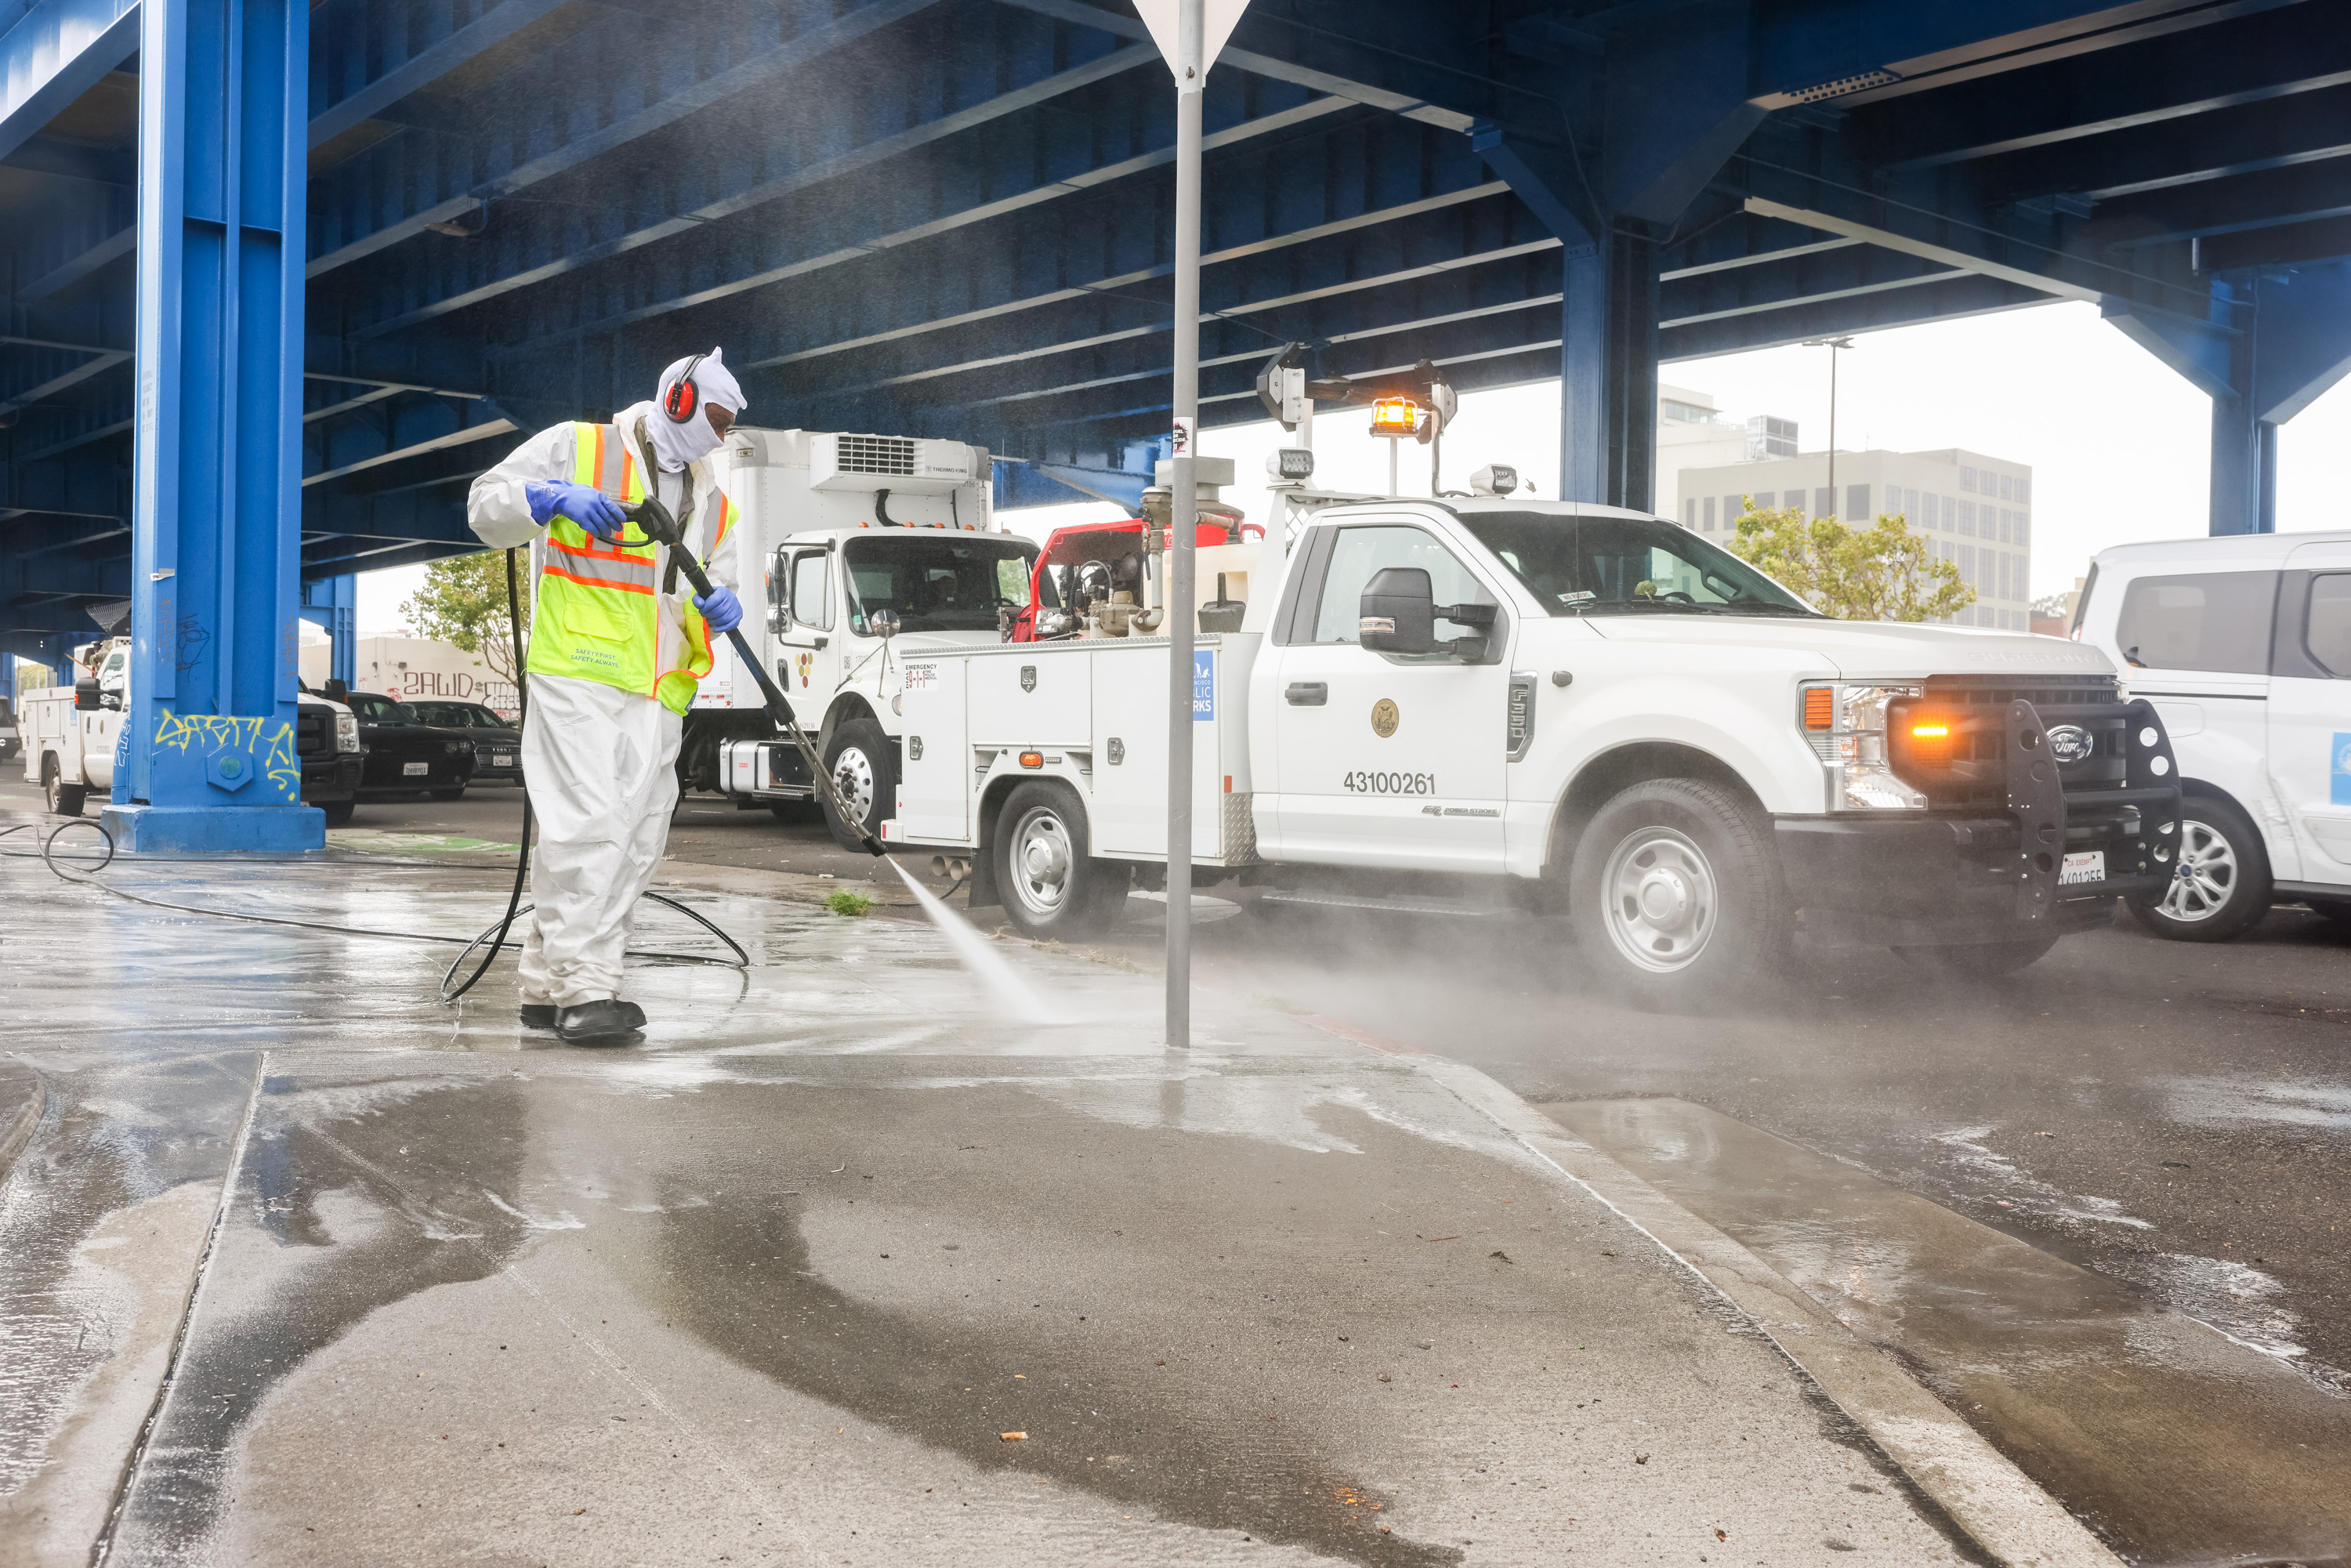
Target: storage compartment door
[934,775]
[1034,699]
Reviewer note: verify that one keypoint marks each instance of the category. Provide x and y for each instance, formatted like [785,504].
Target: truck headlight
[347,732]
[1846,728]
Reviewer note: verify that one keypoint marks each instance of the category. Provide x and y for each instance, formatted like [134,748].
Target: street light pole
[1832,345]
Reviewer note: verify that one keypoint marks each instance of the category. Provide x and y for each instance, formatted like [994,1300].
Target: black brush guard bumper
[1993,870]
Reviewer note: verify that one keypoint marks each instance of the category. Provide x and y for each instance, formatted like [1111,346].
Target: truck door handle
[1307,694]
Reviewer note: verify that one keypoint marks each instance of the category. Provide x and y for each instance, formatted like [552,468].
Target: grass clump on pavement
[847,901]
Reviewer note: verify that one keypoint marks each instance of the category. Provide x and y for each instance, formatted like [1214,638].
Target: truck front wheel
[863,763]
[1051,886]
[1675,894]
[64,798]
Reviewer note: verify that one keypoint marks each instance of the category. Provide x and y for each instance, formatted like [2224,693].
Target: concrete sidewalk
[843,1265]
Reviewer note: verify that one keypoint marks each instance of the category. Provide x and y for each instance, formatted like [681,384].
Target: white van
[2244,644]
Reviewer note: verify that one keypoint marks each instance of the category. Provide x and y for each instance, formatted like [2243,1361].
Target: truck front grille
[314,733]
[1968,769]
[2074,768]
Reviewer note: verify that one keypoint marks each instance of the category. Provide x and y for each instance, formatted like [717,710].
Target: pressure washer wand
[654,521]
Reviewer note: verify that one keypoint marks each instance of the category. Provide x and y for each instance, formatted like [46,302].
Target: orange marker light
[1820,708]
[1929,731]
[1033,759]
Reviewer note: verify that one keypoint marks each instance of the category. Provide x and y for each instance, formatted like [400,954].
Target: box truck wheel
[64,798]
[863,763]
[2221,883]
[1051,885]
[1675,894]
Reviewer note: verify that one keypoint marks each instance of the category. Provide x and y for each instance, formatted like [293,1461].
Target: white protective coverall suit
[601,761]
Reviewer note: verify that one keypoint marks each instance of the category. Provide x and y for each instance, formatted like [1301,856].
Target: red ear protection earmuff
[685,399]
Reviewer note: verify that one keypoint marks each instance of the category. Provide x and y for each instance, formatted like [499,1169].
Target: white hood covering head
[674,445]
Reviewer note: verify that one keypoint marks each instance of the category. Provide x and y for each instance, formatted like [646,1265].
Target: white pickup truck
[1583,707]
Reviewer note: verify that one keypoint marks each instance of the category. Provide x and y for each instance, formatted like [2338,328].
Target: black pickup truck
[497,745]
[407,756]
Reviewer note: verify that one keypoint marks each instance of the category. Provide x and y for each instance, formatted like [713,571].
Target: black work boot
[538,1015]
[630,1011]
[599,1022]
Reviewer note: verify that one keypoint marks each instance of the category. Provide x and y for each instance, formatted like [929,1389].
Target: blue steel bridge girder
[835,215]
[1299,212]
[1498,295]
[2169,75]
[1257,293]
[512,134]
[2184,150]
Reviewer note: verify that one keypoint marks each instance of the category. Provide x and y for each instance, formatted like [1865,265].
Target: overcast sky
[2119,445]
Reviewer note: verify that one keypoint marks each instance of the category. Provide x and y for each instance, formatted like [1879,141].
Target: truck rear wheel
[64,799]
[2221,884]
[863,763]
[1051,887]
[1675,894]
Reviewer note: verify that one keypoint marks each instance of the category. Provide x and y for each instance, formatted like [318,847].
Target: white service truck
[69,736]
[836,529]
[1571,707]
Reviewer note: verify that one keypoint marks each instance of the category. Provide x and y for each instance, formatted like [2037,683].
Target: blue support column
[2269,345]
[207,761]
[333,602]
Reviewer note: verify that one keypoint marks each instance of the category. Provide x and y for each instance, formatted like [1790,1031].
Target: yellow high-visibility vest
[599,615]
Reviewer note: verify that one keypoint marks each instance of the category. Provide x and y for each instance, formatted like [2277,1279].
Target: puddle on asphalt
[2221,1101]
[2180,1441]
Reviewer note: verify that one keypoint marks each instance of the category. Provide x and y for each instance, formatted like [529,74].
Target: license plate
[502,759]
[415,769]
[2090,865]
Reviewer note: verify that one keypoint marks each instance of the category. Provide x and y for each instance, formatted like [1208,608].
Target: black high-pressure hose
[522,860]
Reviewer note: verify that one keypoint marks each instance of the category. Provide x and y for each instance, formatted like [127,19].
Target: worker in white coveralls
[618,646]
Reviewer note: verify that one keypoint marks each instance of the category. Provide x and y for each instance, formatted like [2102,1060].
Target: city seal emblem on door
[2070,743]
[1384,718]
[1027,677]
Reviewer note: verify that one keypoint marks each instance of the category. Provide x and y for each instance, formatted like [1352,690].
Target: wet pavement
[835,1264]
[1973,1179]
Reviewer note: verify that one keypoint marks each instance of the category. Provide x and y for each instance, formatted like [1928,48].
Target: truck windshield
[947,582]
[1625,565]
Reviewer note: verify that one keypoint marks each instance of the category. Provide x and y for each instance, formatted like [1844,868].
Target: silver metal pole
[1191,79]
[1392,465]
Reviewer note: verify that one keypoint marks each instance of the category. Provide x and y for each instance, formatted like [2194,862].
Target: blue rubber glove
[583,504]
[721,609]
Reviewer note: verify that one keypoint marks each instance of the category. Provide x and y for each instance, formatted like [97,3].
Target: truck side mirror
[1399,611]
[85,698]
[336,691]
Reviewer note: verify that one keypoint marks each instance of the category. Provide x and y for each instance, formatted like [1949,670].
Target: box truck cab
[1584,708]
[836,530]
[2244,644]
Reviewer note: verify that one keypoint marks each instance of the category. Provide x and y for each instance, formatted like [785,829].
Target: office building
[1977,511]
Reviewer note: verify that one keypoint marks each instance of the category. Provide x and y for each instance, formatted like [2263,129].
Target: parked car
[2244,644]
[406,755]
[497,745]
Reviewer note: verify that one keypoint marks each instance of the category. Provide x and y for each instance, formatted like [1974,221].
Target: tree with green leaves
[1883,572]
[464,603]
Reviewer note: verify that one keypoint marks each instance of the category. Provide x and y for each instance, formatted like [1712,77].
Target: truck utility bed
[1092,714]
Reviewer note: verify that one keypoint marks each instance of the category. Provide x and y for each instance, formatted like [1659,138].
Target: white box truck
[837,528]
[1575,707]
[2244,644]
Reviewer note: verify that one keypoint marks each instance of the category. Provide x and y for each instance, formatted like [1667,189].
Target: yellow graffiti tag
[227,732]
